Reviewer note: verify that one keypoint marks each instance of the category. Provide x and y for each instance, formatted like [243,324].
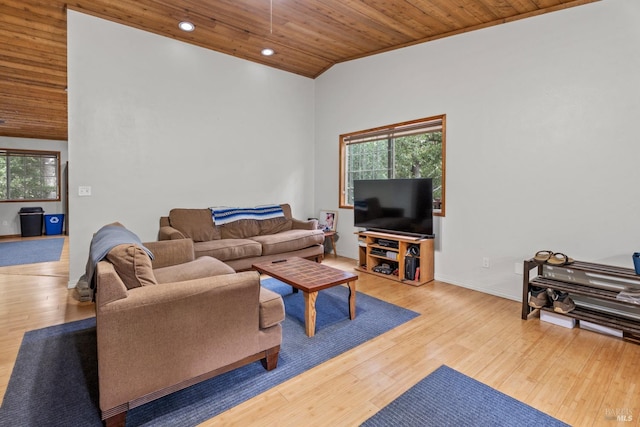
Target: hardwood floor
[34,296]
[581,377]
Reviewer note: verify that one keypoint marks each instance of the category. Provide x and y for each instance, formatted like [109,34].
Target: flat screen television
[401,206]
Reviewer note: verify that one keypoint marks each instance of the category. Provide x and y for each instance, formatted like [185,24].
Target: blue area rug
[448,398]
[54,381]
[30,251]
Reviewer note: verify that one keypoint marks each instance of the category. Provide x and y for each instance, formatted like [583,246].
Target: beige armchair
[166,324]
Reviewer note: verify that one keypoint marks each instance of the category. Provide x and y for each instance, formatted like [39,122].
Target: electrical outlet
[84,190]
[518,267]
[5,223]
[486,263]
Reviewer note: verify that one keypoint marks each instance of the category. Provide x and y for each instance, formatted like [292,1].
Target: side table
[331,235]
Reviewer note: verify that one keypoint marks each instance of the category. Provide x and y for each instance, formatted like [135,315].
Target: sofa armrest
[311,224]
[159,335]
[169,233]
[171,252]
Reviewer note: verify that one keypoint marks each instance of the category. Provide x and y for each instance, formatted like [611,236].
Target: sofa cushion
[240,229]
[274,225]
[287,241]
[246,228]
[271,308]
[228,249]
[133,265]
[201,267]
[194,223]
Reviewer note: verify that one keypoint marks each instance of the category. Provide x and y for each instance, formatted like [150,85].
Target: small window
[29,175]
[414,149]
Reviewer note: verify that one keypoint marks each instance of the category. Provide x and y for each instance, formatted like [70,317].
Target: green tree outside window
[29,175]
[413,149]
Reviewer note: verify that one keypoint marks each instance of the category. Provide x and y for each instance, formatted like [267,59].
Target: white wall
[542,140]
[9,218]
[156,124]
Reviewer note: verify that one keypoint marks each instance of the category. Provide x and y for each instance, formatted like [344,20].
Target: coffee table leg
[310,312]
[352,299]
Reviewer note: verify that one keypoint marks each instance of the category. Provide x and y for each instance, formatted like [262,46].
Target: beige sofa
[166,324]
[242,243]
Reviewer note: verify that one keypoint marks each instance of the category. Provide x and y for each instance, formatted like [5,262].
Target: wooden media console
[377,249]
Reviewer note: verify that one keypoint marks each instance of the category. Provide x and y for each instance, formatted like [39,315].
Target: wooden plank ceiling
[308,36]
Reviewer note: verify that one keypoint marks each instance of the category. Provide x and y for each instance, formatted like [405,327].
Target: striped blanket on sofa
[226,215]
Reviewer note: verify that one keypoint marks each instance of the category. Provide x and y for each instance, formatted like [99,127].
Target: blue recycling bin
[53,224]
[636,261]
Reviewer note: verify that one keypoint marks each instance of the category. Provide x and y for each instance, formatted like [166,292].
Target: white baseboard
[475,288]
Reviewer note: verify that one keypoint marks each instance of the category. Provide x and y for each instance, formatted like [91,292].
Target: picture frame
[328,220]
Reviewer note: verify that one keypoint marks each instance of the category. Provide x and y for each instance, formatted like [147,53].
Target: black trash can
[31,221]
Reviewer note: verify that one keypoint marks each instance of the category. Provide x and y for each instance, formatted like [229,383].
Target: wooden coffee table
[310,277]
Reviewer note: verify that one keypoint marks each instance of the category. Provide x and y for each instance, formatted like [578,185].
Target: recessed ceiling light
[267,51]
[186,26]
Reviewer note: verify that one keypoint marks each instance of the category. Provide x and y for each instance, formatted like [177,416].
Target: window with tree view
[29,175]
[414,149]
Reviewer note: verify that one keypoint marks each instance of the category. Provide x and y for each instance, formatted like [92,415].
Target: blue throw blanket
[106,239]
[223,216]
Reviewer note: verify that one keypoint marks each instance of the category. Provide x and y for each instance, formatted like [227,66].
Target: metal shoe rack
[594,288]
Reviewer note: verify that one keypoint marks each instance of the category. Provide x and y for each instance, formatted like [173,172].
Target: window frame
[342,201]
[8,152]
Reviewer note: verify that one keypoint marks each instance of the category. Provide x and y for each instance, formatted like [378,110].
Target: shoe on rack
[562,303]
[542,256]
[538,298]
[559,259]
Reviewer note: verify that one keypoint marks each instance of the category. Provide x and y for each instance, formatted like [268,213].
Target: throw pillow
[133,265]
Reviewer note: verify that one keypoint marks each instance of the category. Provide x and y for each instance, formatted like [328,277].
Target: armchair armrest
[171,252]
[112,288]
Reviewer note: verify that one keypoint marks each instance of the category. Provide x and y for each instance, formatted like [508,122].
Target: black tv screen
[402,206]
